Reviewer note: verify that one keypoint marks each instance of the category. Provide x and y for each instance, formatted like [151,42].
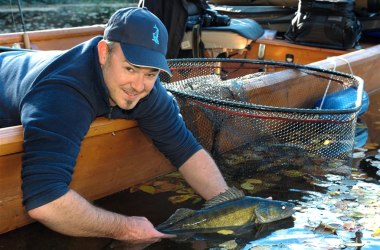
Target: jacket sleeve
[55,118]
[159,117]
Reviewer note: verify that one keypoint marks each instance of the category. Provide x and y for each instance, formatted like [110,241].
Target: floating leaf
[376,233]
[349,225]
[359,176]
[225,232]
[334,193]
[147,189]
[354,244]
[357,214]
[371,146]
[324,228]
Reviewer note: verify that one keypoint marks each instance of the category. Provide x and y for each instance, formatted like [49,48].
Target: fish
[230,210]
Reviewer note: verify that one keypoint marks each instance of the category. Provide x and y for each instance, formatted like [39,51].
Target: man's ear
[102,51]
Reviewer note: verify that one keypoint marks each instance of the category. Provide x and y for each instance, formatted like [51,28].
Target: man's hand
[140,235]
[141,230]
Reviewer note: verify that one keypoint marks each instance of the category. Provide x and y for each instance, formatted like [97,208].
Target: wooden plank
[12,137]
[53,39]
[114,156]
[277,50]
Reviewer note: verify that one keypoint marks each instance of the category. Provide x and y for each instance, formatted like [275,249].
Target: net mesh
[252,114]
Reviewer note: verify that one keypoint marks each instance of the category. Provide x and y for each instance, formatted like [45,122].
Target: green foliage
[41,2]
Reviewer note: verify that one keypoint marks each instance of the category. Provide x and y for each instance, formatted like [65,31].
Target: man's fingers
[168,236]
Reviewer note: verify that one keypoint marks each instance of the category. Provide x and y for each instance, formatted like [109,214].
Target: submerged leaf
[147,189]
[324,228]
[134,189]
[253,181]
[293,173]
[180,198]
[231,244]
[165,186]
[174,174]
[185,191]
[247,186]
[197,200]
[225,232]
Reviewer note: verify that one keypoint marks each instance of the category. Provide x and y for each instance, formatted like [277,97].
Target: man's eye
[152,75]
[130,69]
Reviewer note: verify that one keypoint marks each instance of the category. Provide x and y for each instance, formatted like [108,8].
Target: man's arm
[201,172]
[72,215]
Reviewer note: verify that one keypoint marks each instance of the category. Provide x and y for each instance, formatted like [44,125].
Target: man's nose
[138,83]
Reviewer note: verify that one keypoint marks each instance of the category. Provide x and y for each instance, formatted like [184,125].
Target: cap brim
[143,57]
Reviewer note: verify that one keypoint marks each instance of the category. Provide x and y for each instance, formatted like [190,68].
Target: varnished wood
[277,50]
[12,137]
[53,39]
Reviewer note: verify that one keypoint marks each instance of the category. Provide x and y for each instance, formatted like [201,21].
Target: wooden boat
[115,153]
[114,156]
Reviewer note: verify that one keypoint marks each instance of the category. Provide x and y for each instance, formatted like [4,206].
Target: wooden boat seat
[236,36]
[114,155]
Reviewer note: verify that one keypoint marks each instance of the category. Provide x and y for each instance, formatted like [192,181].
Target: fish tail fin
[178,215]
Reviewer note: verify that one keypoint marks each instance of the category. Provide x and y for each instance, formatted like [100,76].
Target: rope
[334,69]
[327,88]
[25,35]
[141,3]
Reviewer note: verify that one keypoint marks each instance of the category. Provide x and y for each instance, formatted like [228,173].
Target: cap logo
[155,35]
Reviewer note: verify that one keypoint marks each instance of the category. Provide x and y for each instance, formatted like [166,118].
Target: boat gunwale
[12,137]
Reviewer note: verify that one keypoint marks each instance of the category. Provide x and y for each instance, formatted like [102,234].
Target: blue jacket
[56,95]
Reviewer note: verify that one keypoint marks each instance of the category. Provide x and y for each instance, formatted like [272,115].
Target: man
[56,95]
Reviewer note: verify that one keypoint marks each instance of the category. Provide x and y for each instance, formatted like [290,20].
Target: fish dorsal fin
[230,194]
[178,215]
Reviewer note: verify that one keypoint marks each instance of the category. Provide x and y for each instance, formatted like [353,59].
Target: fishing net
[252,115]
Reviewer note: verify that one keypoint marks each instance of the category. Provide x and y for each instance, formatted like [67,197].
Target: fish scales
[225,214]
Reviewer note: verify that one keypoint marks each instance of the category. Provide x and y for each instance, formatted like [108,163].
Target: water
[42,16]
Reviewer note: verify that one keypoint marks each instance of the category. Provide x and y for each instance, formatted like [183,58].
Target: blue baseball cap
[142,36]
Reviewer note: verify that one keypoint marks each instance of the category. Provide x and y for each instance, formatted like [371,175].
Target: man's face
[126,83]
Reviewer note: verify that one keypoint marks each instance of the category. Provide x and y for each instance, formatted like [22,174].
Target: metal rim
[252,106]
